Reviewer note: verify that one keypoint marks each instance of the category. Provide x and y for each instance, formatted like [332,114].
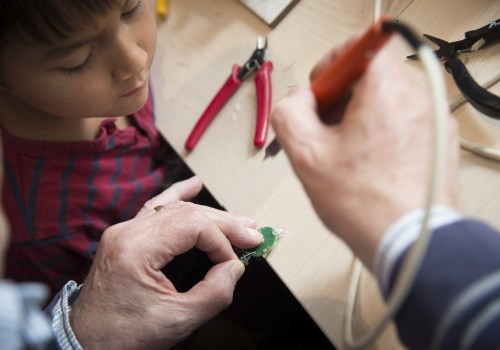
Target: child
[77,122]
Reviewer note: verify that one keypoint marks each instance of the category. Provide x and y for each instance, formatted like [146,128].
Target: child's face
[101,71]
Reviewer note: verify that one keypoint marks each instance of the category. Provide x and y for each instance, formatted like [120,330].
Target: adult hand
[365,172]
[127,302]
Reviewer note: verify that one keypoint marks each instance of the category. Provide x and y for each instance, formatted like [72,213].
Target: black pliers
[480,98]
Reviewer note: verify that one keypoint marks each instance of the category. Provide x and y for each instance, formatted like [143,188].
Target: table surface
[198,44]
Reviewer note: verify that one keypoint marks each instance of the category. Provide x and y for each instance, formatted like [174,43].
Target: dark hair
[43,21]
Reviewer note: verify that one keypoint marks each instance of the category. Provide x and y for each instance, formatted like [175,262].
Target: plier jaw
[262,69]
[256,59]
[447,49]
[480,98]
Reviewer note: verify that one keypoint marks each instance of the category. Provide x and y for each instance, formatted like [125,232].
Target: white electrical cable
[378,9]
[414,258]
[488,152]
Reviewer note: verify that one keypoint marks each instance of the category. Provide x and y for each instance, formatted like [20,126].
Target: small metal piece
[262,250]
[280,233]
[272,149]
[159,208]
[261,42]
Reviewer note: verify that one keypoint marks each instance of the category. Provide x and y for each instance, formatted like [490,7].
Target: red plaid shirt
[60,196]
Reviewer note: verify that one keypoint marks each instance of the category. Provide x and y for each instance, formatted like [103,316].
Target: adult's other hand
[371,168]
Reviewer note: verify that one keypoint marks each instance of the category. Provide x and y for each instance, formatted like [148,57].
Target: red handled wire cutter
[263,68]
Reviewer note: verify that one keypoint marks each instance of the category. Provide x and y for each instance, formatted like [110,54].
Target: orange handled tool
[348,67]
[335,81]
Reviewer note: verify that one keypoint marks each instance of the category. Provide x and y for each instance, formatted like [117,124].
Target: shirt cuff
[401,235]
[65,337]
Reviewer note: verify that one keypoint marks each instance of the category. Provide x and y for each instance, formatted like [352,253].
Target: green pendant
[262,250]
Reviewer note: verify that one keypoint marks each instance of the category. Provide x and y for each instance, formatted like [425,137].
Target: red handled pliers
[263,68]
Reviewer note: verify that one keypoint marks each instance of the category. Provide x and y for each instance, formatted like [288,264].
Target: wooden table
[197,45]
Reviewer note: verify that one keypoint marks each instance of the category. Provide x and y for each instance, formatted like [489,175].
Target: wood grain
[198,44]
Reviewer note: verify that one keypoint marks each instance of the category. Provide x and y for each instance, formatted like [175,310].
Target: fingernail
[237,269]
[248,221]
[256,234]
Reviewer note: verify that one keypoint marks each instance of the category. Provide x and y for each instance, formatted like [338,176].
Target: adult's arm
[455,300]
